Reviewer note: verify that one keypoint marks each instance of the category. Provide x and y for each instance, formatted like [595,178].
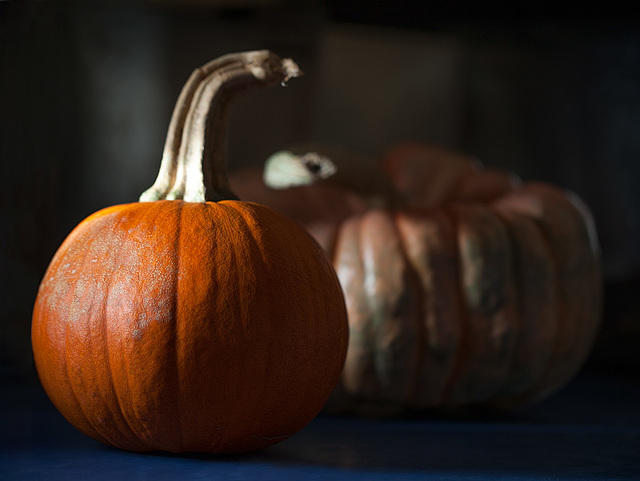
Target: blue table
[589,431]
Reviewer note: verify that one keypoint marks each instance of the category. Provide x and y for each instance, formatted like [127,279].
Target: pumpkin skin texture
[191,325]
[468,288]
[182,327]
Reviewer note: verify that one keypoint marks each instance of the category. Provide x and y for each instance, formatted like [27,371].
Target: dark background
[545,89]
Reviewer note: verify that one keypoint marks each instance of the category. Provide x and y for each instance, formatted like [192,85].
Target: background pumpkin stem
[308,163]
[194,161]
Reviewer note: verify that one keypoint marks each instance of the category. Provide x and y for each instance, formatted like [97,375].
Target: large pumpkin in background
[464,285]
[192,321]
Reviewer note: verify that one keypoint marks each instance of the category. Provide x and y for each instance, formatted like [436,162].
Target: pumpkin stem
[306,164]
[194,160]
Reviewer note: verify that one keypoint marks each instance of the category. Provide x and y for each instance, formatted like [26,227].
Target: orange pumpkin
[464,285]
[200,323]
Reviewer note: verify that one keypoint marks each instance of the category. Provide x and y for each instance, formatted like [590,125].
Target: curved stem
[193,166]
[168,166]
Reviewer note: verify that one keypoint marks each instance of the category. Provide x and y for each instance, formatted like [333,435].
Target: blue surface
[589,431]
